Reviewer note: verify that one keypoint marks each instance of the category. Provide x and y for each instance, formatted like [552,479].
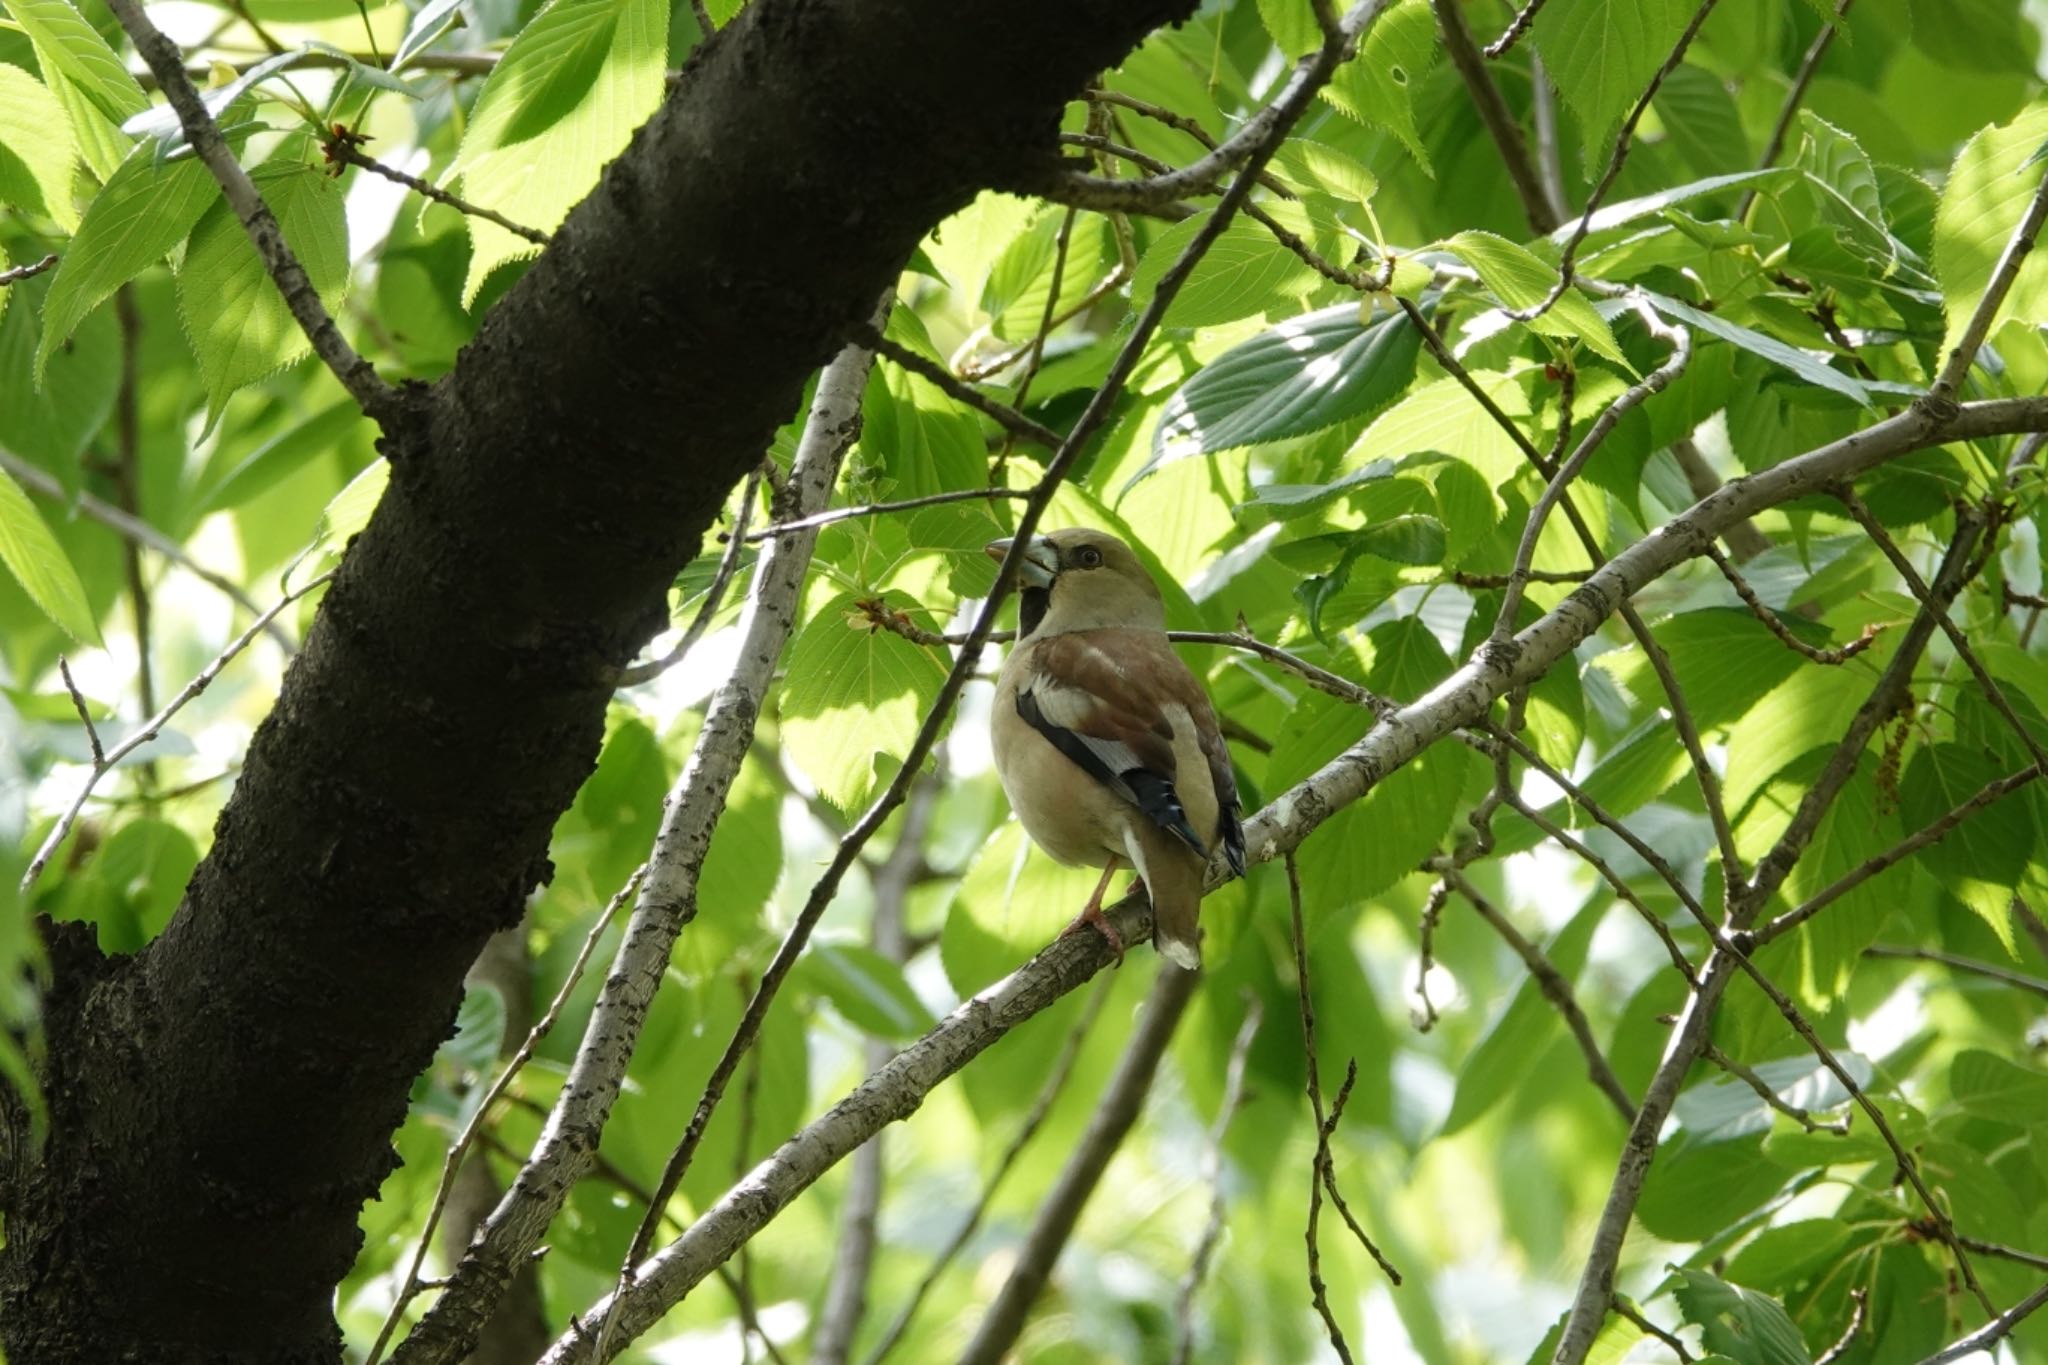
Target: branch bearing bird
[1104,740]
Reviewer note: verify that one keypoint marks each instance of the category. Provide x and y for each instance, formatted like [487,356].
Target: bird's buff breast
[1083,825]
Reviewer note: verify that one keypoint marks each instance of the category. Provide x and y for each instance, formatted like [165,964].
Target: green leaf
[138,219]
[85,76]
[1805,364]
[1785,1256]
[1725,1108]
[1645,206]
[1318,168]
[53,423]
[1246,271]
[1982,859]
[1378,86]
[1515,276]
[1602,53]
[38,563]
[1411,539]
[238,322]
[1724,657]
[36,148]
[1305,375]
[561,103]
[1846,184]
[1741,1323]
[1988,1086]
[433,19]
[1987,194]
[855,695]
[867,988]
[1499,1064]
[1700,118]
[1442,417]
[1698,1187]
[1011,902]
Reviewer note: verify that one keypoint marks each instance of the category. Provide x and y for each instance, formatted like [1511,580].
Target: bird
[1104,740]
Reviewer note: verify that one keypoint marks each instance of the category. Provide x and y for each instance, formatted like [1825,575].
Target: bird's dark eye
[1088,557]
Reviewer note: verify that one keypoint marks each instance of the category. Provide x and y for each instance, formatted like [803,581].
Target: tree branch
[1992,1332]
[376,398]
[1493,110]
[1122,1101]
[2033,984]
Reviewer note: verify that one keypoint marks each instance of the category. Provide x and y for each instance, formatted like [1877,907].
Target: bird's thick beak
[1039,564]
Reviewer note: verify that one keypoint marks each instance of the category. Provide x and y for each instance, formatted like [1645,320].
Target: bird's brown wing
[1103,698]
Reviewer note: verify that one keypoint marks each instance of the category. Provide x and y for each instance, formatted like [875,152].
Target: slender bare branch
[1840,654]
[1122,1101]
[668,897]
[1512,34]
[1747,1075]
[1004,414]
[29,271]
[1992,1332]
[1556,990]
[1033,1120]
[1911,844]
[411,1285]
[341,149]
[376,398]
[152,728]
[1634,1315]
[1494,113]
[1794,97]
[1212,1174]
[714,593]
[875,509]
[1859,1305]
[2034,984]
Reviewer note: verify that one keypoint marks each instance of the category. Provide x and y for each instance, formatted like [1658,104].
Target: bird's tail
[1176,901]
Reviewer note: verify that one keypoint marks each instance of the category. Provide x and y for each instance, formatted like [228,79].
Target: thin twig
[875,509]
[703,15]
[1425,937]
[1318,1291]
[714,595]
[413,1284]
[1004,415]
[376,398]
[1794,97]
[92,734]
[1493,111]
[135,529]
[1034,1119]
[1747,1075]
[1913,843]
[1622,142]
[1840,654]
[340,149]
[153,727]
[1512,34]
[2033,984]
[1940,398]
[1629,1311]
[29,271]
[1859,1304]
[1556,990]
[1992,1332]
[1123,1099]
[1212,1175]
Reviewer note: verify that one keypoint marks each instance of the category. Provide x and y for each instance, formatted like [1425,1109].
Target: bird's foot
[1093,918]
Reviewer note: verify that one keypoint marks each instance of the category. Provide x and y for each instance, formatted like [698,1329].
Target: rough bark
[222,1103]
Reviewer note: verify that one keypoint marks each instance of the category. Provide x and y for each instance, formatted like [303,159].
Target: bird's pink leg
[1091,915]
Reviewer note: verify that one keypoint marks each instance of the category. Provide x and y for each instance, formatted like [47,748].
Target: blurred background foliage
[1362,522]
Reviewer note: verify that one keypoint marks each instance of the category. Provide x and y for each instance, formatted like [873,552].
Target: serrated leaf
[554,110]
[1725,1108]
[163,124]
[1742,1321]
[434,18]
[36,148]
[1520,280]
[1987,194]
[1245,271]
[88,80]
[1319,168]
[1644,206]
[1602,53]
[1989,1086]
[237,321]
[1305,375]
[1377,87]
[1700,118]
[1443,417]
[144,211]
[855,694]
[1805,364]
[1846,185]
[39,564]
[52,425]
[1982,859]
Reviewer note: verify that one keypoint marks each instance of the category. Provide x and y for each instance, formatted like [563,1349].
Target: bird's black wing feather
[1151,792]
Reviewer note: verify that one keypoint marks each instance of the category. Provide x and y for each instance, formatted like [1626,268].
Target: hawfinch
[1105,743]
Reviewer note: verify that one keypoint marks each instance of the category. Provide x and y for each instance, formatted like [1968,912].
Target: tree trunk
[222,1103]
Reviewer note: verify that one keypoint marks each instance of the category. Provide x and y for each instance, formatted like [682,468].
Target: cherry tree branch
[668,896]
[1493,110]
[376,398]
[1122,1101]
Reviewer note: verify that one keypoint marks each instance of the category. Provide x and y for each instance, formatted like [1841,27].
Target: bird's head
[1082,579]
